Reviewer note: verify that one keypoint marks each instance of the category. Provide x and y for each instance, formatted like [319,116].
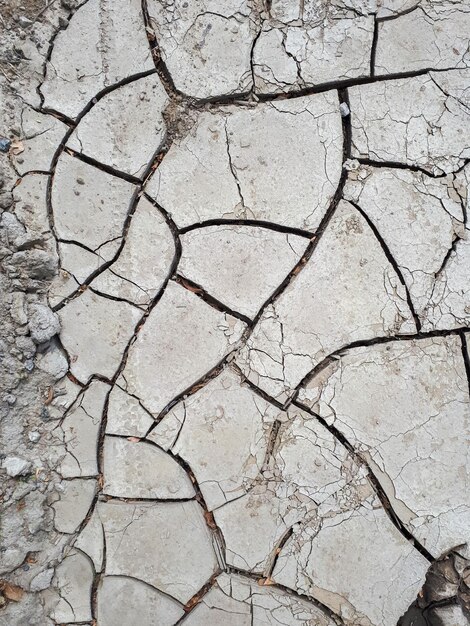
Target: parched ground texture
[235,311]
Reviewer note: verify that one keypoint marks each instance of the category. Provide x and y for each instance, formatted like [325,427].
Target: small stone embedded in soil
[4,144]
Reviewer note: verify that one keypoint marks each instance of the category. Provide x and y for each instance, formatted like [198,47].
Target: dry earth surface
[235,275]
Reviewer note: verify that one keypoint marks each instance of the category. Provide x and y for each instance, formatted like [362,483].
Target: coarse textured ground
[234,360]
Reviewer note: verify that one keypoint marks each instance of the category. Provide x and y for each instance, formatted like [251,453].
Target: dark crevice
[447,256]
[199,291]
[373,50]
[405,166]
[160,66]
[278,549]
[246,97]
[360,460]
[103,167]
[260,392]
[197,597]
[248,222]
[465,356]
[115,298]
[392,262]
[395,16]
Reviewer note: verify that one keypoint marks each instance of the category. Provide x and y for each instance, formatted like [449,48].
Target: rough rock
[53,362]
[15,466]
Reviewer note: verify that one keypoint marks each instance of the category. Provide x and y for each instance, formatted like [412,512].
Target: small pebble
[29,365]
[9,398]
[34,436]
[24,21]
[344,109]
[4,144]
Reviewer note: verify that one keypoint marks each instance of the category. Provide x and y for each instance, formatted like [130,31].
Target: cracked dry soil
[235,308]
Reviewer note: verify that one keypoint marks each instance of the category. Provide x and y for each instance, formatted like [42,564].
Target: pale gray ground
[234,364]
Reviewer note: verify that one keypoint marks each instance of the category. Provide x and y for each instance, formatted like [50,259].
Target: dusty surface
[234,364]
